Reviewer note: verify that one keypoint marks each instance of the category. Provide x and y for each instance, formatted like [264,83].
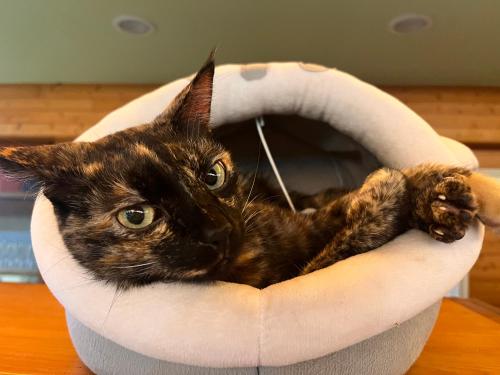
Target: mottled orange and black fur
[232,233]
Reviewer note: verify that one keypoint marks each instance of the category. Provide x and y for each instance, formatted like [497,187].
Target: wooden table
[34,339]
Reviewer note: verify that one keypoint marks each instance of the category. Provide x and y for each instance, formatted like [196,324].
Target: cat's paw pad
[454,206]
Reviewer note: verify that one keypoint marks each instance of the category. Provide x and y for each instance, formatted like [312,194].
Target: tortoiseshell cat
[163,202]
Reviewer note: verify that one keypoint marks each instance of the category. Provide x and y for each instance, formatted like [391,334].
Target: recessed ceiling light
[410,23]
[133,25]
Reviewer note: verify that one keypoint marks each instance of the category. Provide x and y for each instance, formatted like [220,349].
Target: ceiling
[73,41]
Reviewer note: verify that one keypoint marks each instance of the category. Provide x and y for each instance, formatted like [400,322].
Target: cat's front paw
[452,207]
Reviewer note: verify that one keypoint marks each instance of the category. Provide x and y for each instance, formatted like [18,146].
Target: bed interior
[311,155]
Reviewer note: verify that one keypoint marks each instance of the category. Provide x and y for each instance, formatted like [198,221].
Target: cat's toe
[453,209]
[449,215]
[456,191]
[446,234]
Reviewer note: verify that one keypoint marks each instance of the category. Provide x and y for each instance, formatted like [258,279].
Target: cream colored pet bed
[371,313]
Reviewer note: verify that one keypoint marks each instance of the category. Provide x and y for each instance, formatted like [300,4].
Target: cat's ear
[43,164]
[189,112]
[59,170]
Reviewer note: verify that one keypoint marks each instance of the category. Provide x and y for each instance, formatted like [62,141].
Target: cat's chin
[219,270]
[218,266]
[209,272]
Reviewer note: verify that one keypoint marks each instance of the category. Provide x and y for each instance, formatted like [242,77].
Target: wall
[470,115]
[49,113]
[45,113]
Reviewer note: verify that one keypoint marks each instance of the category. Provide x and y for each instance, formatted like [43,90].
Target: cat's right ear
[42,164]
[189,112]
[57,169]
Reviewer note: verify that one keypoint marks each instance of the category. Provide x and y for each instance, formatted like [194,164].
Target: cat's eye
[215,176]
[136,217]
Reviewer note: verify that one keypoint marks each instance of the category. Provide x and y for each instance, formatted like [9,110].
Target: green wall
[52,41]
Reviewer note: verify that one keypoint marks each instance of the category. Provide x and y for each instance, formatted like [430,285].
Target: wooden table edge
[480,307]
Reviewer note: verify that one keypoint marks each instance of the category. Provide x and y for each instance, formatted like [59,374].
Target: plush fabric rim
[231,325]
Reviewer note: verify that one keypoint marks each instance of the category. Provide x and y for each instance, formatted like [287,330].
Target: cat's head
[157,202]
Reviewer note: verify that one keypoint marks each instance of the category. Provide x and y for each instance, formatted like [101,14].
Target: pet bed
[369,314]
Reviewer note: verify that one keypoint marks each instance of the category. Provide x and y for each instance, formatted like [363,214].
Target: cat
[164,202]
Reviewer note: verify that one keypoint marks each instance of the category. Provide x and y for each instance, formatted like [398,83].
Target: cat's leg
[364,219]
[435,199]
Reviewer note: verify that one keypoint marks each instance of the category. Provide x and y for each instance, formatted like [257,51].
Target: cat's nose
[217,236]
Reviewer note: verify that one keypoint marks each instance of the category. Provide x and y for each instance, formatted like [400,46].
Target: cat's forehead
[179,153]
[158,172]
[121,152]
[197,152]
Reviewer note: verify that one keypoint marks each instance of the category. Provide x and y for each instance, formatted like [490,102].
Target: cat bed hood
[232,325]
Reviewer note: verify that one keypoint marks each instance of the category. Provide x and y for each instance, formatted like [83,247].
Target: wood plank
[50,113]
[445,94]
[454,108]
[16,132]
[481,307]
[34,337]
[485,275]
[488,157]
[470,115]
[464,341]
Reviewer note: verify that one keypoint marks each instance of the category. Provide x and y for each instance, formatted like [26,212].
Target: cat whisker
[252,215]
[249,220]
[139,271]
[56,263]
[253,182]
[136,265]
[257,196]
[118,291]
[250,228]
[253,225]
[246,219]
[249,202]
[75,286]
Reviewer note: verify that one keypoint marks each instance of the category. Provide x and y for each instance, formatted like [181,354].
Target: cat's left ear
[189,112]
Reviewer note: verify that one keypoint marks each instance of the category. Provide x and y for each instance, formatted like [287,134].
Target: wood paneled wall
[469,115]
[61,112]
[484,278]
[50,113]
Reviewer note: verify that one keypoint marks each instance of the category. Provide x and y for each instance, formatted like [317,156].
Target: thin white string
[259,122]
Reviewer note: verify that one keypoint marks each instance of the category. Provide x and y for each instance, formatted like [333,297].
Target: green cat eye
[215,176]
[136,217]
